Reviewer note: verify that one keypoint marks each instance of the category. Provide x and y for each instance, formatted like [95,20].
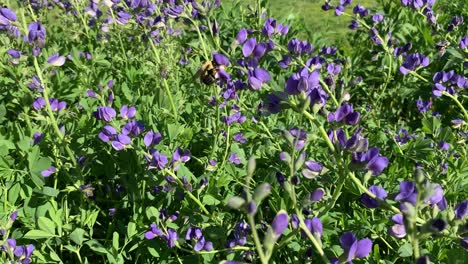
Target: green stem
[311,237]
[414,73]
[459,104]
[200,37]
[256,239]
[191,196]
[166,86]
[50,113]
[363,189]
[327,89]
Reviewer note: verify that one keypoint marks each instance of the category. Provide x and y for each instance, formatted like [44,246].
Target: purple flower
[422,106]
[461,209]
[39,103]
[36,34]
[258,77]
[317,195]
[37,137]
[239,137]
[398,230]
[280,223]
[377,18]
[312,170]
[315,226]
[105,113]
[412,62]
[180,155]
[408,192]
[133,128]
[339,10]
[154,232]
[55,105]
[46,173]
[152,138]
[6,16]
[354,248]
[107,134]
[344,114]
[127,113]
[464,43]
[370,202]
[14,53]
[360,10]
[234,159]
[171,237]
[464,242]
[121,141]
[443,145]
[112,211]
[158,160]
[220,59]
[56,60]
[285,62]
[241,37]
[249,46]
[374,162]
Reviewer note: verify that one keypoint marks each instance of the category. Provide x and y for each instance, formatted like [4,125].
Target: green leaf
[406,250]
[96,246]
[152,213]
[210,200]
[38,234]
[77,236]
[49,191]
[131,229]
[46,224]
[115,241]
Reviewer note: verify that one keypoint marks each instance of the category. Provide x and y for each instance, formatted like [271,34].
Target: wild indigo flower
[373,160]
[105,113]
[398,230]
[454,23]
[46,173]
[241,37]
[461,209]
[195,233]
[369,202]
[234,159]
[127,112]
[377,18]
[412,62]
[317,195]
[154,232]
[402,137]
[22,253]
[39,103]
[239,137]
[56,106]
[280,223]
[344,114]
[423,106]
[464,242]
[408,192]
[121,141]
[241,231]
[258,77]
[15,54]
[158,161]
[339,10]
[360,10]
[314,225]
[133,128]
[56,60]
[464,43]
[249,47]
[353,248]
[36,34]
[6,16]
[37,138]
[107,134]
[443,145]
[151,138]
[312,170]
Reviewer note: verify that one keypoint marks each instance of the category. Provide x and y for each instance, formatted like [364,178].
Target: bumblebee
[208,72]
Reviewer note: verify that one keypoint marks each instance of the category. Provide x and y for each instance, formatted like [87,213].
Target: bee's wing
[201,70]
